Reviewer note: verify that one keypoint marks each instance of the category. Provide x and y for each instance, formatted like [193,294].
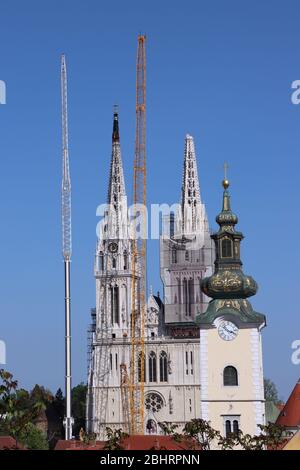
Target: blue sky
[221,71]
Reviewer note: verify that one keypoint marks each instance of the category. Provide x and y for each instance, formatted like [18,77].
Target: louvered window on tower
[226,248]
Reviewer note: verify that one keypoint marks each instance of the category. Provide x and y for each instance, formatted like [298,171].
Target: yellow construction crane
[139,245]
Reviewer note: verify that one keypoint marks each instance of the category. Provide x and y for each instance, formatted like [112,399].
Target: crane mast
[66,246]
[137,362]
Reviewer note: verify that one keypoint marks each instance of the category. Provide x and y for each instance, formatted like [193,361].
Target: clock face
[227,330]
[113,247]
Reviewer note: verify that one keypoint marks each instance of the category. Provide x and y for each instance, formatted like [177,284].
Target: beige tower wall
[245,400]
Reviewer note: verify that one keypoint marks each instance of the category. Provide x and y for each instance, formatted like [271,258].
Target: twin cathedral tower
[203,352]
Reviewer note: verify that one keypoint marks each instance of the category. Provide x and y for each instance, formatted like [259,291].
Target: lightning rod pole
[67,248]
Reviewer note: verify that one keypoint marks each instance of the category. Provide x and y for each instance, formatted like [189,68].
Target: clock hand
[228,331]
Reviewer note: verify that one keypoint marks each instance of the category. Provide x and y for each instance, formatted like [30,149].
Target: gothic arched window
[230,376]
[152,367]
[185,295]
[191,296]
[140,369]
[114,302]
[174,255]
[226,248]
[101,256]
[163,367]
[179,290]
[125,260]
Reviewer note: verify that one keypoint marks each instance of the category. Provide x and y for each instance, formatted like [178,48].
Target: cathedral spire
[116,134]
[193,217]
[116,214]
[190,193]
[116,186]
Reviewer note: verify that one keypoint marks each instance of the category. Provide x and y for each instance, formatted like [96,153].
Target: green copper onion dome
[226,217]
[228,280]
[229,287]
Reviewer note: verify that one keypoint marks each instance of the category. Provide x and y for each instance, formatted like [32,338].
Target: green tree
[59,403]
[271,392]
[79,407]
[33,438]
[41,395]
[200,433]
[16,409]
[168,428]
[114,439]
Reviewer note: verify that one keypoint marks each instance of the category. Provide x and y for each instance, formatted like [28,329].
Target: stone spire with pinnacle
[116,186]
[193,217]
[116,214]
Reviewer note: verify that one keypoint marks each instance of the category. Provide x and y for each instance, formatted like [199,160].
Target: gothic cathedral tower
[186,254]
[171,373]
[231,369]
[111,318]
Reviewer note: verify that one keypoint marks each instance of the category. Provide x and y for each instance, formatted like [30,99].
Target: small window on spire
[101,261]
[226,248]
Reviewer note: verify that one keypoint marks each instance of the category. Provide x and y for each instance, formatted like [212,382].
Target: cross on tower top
[225,170]
[225,181]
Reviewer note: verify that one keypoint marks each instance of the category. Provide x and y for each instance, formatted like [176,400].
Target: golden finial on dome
[225,181]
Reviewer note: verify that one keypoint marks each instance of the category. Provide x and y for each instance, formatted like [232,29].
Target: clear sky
[221,71]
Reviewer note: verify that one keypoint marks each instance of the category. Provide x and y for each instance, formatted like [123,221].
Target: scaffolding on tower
[139,226]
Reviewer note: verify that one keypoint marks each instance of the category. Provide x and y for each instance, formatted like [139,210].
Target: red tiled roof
[154,442]
[290,415]
[131,443]
[7,442]
[78,445]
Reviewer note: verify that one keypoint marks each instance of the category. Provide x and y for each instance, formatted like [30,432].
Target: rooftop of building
[153,442]
[290,414]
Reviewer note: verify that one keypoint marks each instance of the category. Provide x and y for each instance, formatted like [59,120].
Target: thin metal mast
[137,373]
[66,246]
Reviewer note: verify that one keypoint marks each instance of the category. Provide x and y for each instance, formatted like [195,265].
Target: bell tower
[231,369]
